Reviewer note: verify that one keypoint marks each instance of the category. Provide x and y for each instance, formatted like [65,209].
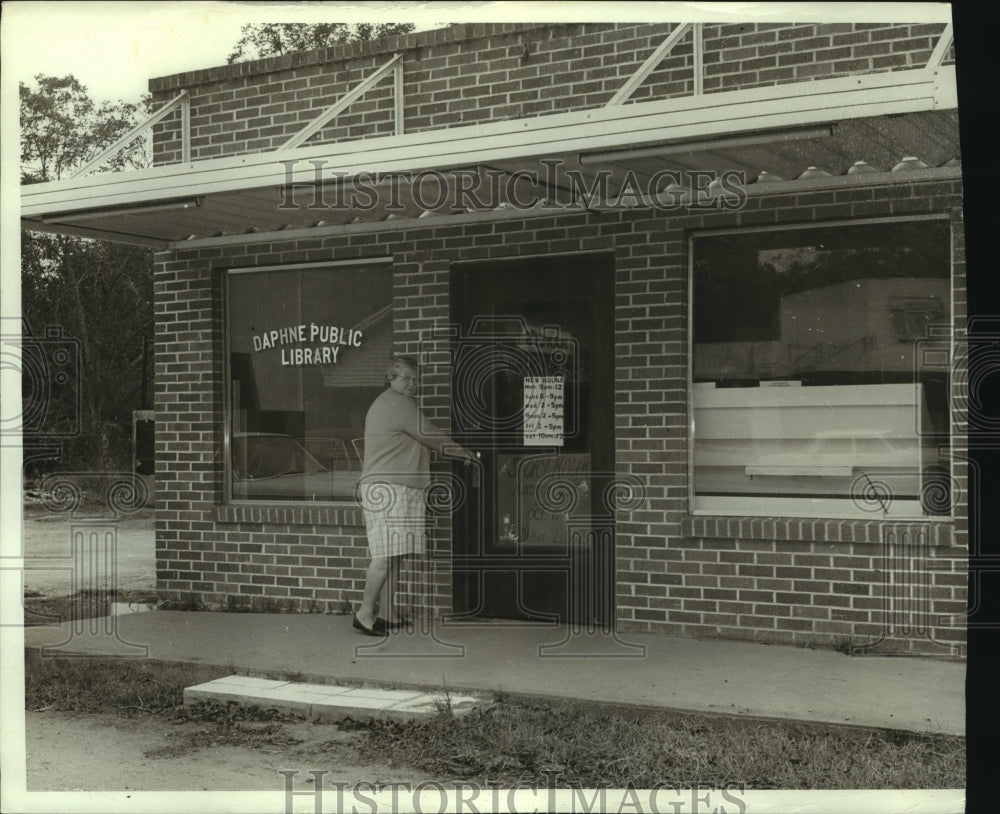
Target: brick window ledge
[804,529]
[286,514]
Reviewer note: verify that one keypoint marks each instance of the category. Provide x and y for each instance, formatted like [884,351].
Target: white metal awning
[808,133]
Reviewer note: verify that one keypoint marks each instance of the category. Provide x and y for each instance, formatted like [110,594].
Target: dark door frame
[478,563]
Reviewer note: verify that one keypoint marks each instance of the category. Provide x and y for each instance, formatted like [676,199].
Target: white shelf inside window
[804,451]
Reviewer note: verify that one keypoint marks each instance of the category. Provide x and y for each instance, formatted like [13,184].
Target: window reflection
[814,393]
[308,350]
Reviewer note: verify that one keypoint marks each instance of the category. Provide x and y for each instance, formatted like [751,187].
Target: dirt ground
[48,550]
[148,753]
[151,754]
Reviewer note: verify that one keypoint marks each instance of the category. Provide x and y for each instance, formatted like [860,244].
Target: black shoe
[390,626]
[375,630]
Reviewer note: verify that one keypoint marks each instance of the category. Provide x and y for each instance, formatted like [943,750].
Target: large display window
[820,370]
[308,348]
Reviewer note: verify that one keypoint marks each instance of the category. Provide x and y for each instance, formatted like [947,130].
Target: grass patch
[120,686]
[130,687]
[522,741]
[531,741]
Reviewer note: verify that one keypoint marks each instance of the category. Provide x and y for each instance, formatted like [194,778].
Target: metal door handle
[475,470]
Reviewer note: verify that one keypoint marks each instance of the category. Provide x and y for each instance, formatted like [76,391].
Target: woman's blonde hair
[396,364]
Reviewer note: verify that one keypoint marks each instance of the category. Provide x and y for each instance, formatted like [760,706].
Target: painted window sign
[323,343]
[308,348]
[543,410]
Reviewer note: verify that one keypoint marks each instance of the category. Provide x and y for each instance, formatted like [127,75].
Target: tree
[259,40]
[62,128]
[97,295]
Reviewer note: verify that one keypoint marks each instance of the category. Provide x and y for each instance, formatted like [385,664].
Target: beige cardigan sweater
[398,441]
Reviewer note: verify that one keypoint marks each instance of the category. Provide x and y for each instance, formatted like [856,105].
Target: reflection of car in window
[332,453]
[279,467]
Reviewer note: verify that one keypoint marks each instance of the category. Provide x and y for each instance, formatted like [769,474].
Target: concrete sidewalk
[736,678]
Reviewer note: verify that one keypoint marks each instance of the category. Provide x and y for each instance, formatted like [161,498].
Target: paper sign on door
[543,411]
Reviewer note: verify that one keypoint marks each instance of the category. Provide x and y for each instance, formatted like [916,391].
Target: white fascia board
[865,180]
[684,119]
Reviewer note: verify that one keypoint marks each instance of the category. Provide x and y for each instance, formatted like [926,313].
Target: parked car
[333,452]
[272,466]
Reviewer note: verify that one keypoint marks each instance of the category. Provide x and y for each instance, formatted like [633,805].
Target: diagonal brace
[943,43]
[345,101]
[182,99]
[649,65]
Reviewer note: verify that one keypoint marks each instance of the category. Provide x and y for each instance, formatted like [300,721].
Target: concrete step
[329,701]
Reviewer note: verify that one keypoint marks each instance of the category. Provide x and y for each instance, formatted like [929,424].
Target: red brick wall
[801,581]
[480,73]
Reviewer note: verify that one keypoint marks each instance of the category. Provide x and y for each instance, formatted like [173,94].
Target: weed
[845,646]
[230,724]
[230,713]
[266,604]
[442,703]
[123,686]
[849,648]
[521,741]
[253,735]
[232,605]
[525,741]
[187,602]
[131,688]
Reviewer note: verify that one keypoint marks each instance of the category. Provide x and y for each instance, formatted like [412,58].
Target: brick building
[693,292]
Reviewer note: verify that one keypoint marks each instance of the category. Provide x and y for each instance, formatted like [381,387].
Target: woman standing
[396,471]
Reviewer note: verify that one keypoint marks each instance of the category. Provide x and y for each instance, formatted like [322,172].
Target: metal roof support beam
[140,209]
[699,59]
[649,65]
[346,100]
[97,234]
[181,98]
[397,97]
[186,129]
[743,140]
[943,43]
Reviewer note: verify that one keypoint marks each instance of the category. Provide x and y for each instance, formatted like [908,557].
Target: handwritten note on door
[542,497]
[543,411]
